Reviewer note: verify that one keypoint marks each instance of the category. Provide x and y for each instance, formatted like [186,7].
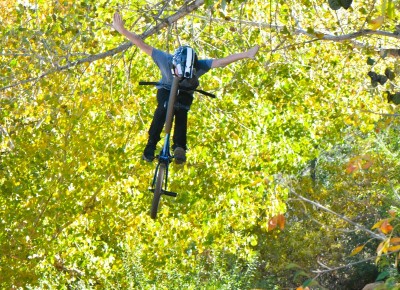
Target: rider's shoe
[148,158]
[148,154]
[180,155]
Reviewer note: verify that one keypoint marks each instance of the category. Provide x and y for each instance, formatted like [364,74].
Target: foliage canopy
[294,162]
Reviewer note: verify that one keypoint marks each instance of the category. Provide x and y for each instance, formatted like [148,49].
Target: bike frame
[160,178]
[165,156]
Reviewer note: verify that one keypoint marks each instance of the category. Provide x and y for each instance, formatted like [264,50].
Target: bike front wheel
[158,190]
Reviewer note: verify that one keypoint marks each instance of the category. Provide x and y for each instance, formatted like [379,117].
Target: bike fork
[165,157]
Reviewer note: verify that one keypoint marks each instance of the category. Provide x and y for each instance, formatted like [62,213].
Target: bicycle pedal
[169,193]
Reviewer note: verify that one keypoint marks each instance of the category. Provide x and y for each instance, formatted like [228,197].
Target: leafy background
[288,169]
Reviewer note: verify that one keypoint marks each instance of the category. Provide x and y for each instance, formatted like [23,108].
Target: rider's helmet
[183,62]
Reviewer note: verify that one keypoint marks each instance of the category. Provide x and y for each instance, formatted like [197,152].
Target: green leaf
[390,75]
[310,30]
[334,4]
[292,266]
[345,3]
[370,61]
[13,62]
[301,273]
[382,276]
[390,10]
[310,282]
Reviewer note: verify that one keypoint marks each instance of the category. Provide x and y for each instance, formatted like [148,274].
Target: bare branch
[356,225]
[382,114]
[321,35]
[343,267]
[183,11]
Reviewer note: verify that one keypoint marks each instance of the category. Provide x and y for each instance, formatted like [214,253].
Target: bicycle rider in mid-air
[182,57]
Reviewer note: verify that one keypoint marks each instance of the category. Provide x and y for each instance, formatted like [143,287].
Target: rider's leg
[180,130]
[179,138]
[157,124]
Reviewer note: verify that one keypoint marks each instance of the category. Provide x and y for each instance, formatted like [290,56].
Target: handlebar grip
[142,83]
[206,93]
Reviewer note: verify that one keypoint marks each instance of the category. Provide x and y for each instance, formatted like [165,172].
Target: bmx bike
[160,177]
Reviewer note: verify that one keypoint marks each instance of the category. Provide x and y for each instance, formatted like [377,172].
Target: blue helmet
[183,62]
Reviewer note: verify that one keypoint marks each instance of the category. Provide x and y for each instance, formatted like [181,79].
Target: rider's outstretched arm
[221,62]
[118,25]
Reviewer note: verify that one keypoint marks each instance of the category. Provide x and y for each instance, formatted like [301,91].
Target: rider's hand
[118,24]
[252,51]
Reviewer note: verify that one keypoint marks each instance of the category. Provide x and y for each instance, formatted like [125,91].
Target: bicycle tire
[158,190]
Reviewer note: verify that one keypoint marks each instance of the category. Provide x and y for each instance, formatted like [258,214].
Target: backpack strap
[143,83]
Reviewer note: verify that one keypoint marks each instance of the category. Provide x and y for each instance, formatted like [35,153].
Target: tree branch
[382,114]
[320,35]
[327,270]
[187,8]
[356,225]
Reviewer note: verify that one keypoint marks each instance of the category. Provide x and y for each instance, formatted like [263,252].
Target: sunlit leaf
[395,240]
[377,224]
[376,22]
[394,248]
[382,248]
[357,250]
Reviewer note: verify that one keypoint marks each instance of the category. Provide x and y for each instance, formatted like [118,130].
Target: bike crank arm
[169,193]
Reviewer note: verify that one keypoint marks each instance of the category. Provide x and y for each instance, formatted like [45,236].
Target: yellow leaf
[395,240]
[394,248]
[382,248]
[377,225]
[357,250]
[376,23]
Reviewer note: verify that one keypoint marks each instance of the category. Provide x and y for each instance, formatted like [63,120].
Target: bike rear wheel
[158,190]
